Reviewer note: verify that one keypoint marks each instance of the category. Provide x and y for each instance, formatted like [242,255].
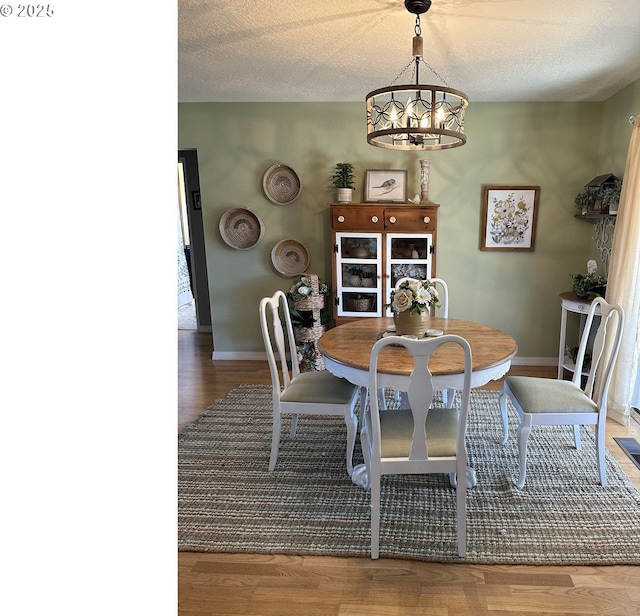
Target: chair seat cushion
[396,429]
[540,395]
[321,387]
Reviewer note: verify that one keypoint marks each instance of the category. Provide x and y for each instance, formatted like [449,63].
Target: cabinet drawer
[360,219]
[400,219]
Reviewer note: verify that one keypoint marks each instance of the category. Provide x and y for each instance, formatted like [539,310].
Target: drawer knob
[392,219]
[340,218]
[427,219]
[374,219]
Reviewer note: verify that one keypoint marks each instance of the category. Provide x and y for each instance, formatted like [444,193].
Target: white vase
[344,195]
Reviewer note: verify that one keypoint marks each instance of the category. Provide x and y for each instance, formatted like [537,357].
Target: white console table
[570,303]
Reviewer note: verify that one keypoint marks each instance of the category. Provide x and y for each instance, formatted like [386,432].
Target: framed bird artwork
[385,186]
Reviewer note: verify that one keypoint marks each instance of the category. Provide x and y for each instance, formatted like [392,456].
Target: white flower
[304,291]
[592,267]
[423,296]
[414,285]
[402,300]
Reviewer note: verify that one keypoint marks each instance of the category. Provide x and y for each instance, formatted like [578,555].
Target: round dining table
[346,350]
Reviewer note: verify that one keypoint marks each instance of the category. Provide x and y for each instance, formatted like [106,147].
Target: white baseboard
[238,356]
[250,356]
[535,361]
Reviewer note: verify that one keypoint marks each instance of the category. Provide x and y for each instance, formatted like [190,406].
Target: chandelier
[416,116]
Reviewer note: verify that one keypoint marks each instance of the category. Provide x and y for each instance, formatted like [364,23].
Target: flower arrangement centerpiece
[590,286]
[410,302]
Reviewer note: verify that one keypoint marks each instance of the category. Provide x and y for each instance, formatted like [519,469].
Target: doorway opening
[193,283]
[186,302]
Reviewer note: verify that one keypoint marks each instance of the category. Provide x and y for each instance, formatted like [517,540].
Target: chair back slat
[420,391]
[279,341]
[604,350]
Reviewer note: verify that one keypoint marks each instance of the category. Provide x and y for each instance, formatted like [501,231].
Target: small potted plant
[590,286]
[611,196]
[343,181]
[584,202]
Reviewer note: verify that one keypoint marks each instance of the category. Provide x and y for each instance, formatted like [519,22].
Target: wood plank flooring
[253,584]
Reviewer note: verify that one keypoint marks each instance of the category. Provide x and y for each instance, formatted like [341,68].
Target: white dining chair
[295,392]
[553,402]
[419,438]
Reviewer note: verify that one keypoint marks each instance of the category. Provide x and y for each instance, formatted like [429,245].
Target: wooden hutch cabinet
[374,245]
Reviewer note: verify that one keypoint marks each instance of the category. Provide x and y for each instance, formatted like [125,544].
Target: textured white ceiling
[338,50]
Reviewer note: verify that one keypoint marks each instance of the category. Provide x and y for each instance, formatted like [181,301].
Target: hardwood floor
[251,584]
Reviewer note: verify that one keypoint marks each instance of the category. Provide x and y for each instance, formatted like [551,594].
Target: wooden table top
[572,297]
[351,344]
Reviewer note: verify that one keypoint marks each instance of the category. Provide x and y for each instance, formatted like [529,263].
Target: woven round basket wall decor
[241,228]
[290,257]
[281,184]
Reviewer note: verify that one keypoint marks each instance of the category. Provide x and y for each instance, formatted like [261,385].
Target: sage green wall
[616,131]
[615,134]
[553,145]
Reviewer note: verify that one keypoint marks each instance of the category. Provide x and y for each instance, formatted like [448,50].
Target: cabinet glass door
[359,274]
[408,255]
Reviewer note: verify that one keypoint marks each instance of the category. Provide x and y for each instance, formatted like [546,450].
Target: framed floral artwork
[385,186]
[509,215]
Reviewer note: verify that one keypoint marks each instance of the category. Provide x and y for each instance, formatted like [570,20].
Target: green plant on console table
[590,286]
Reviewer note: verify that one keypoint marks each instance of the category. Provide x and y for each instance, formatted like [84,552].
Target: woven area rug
[229,502]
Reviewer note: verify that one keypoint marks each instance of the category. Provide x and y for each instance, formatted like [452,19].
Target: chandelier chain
[412,64]
[417,29]
[402,72]
[435,72]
